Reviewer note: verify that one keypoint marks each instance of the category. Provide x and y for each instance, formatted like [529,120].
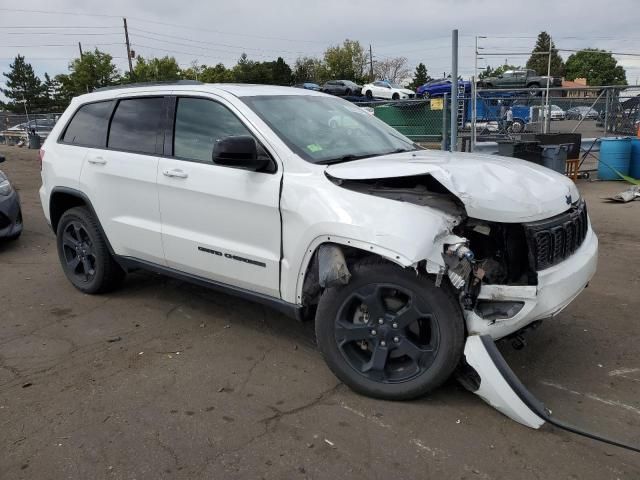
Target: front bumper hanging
[487,374]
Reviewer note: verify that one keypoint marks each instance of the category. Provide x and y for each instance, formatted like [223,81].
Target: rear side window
[136,124]
[88,127]
[199,124]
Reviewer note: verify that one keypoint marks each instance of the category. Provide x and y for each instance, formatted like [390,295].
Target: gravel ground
[162,379]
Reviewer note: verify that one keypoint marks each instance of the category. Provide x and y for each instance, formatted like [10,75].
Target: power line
[23,27]
[185,53]
[137,35]
[134,29]
[175,25]
[83,34]
[61,45]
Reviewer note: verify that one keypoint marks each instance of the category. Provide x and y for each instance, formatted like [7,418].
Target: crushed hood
[493,188]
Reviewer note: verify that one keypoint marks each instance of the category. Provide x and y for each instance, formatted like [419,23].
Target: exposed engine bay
[490,252]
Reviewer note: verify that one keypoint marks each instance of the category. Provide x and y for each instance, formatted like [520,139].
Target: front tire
[84,254]
[395,96]
[369,94]
[390,333]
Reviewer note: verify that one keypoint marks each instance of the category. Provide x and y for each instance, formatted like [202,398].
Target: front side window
[200,123]
[88,127]
[136,125]
[327,130]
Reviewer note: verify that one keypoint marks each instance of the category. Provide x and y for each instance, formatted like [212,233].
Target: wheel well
[61,202]
[311,289]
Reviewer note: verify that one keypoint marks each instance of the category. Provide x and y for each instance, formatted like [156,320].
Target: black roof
[149,84]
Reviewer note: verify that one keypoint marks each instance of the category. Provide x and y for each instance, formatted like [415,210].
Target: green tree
[52,99]
[309,69]
[420,77]
[155,70]
[280,72]
[539,63]
[274,73]
[23,87]
[216,74]
[347,61]
[597,66]
[491,72]
[93,70]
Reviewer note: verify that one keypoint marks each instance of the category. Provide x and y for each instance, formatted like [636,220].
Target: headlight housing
[5,185]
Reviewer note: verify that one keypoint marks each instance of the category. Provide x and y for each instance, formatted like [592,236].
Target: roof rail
[148,84]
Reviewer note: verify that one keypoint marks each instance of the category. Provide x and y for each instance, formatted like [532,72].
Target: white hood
[493,188]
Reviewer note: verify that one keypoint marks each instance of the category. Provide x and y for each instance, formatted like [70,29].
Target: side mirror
[239,152]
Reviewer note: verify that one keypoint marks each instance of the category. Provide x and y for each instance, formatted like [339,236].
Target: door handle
[175,173]
[97,160]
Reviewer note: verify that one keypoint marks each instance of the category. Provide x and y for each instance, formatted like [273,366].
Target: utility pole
[371,63]
[126,38]
[454,91]
[80,48]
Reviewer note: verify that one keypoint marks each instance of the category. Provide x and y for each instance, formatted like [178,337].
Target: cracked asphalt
[162,379]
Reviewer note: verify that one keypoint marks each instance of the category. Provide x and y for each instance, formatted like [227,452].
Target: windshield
[327,130]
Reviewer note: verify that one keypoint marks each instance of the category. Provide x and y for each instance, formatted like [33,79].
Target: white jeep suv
[309,204]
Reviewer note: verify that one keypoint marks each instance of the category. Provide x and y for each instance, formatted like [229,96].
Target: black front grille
[553,240]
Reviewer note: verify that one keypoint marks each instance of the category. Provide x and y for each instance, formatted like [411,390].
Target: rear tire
[84,254]
[532,92]
[411,352]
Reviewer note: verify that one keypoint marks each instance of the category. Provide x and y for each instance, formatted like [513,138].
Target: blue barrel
[634,165]
[615,153]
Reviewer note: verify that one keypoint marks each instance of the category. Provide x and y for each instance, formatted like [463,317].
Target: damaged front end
[512,261]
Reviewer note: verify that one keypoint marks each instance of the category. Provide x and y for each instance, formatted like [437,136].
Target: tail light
[41,157]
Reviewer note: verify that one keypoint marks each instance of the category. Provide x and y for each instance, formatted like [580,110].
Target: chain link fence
[421,120]
[592,112]
[15,128]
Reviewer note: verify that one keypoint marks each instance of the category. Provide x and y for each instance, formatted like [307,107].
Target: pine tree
[539,62]
[23,87]
[420,77]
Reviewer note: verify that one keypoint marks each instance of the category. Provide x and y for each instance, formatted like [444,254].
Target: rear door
[218,222]
[120,179]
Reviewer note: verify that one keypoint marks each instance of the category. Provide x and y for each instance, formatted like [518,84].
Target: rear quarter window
[89,125]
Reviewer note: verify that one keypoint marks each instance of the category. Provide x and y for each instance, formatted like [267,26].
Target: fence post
[454,91]
[606,114]
[444,145]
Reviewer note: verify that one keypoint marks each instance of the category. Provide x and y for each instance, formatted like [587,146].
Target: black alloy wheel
[390,333]
[78,251]
[386,334]
[84,253]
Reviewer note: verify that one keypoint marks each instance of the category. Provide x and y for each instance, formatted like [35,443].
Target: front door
[218,223]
